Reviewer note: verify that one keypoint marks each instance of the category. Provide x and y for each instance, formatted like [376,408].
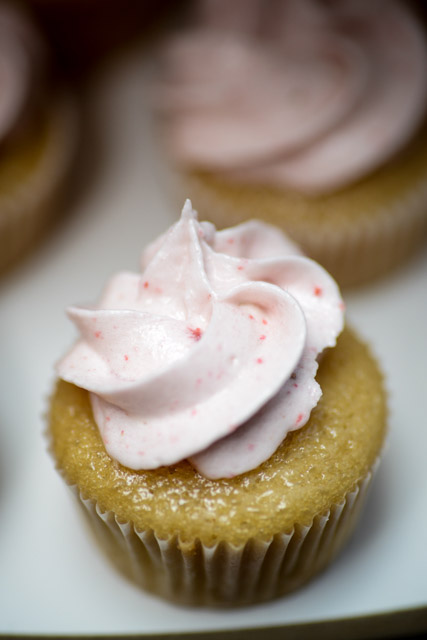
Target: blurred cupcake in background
[38,134]
[309,115]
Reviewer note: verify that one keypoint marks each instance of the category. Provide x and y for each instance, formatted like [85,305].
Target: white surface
[52,577]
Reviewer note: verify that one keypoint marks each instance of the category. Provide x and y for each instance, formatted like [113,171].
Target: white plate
[53,579]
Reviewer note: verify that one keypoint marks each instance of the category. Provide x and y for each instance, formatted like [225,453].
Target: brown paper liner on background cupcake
[33,178]
[358,233]
[38,133]
[239,540]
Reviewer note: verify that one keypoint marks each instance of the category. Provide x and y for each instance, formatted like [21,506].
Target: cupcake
[216,421]
[37,135]
[308,115]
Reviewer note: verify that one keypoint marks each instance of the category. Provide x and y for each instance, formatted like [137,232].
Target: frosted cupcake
[218,462]
[37,135]
[310,116]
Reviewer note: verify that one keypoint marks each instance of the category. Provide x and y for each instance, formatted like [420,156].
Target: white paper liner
[223,574]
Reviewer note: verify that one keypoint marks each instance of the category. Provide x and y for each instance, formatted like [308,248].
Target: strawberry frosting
[210,353]
[306,94]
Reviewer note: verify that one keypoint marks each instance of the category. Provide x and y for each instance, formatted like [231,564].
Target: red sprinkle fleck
[263,337]
[230,240]
[295,385]
[146,284]
[108,418]
[194,412]
[126,357]
[300,417]
[199,381]
[341,306]
[260,360]
[240,267]
[196,334]
[251,317]
[98,334]
[318,291]
[122,433]
[264,321]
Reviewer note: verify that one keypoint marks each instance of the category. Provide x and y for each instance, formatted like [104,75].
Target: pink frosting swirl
[299,93]
[210,353]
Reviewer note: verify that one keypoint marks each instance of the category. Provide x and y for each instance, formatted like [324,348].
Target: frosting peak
[209,353]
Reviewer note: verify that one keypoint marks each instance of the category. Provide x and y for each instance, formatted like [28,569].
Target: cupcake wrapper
[377,244]
[223,574]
